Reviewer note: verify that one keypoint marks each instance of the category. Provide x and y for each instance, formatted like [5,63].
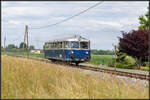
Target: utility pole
[4,44]
[24,40]
[27,41]
[115,56]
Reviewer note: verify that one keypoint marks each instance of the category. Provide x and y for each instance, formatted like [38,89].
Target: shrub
[110,64]
[145,64]
[128,63]
[2,49]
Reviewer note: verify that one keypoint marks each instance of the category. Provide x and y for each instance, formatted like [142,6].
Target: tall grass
[23,78]
[41,55]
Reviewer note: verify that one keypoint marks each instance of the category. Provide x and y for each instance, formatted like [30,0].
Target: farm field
[23,78]
[41,55]
[95,59]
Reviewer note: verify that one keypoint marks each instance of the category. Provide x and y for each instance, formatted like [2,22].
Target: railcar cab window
[67,44]
[74,44]
[84,45]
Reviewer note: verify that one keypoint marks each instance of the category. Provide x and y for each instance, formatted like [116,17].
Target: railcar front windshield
[74,44]
[84,45]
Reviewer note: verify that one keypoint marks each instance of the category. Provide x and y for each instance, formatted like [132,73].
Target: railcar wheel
[77,63]
[53,60]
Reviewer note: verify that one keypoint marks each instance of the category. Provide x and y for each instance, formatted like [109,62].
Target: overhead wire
[68,18]
[62,20]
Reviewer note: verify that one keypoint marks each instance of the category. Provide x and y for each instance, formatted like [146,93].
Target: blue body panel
[55,54]
[68,55]
[78,54]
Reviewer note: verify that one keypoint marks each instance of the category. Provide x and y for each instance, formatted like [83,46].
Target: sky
[102,25]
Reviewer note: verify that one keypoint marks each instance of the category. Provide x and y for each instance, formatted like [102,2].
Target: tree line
[102,52]
[13,47]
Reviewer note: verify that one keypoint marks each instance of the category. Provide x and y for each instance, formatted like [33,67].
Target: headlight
[72,52]
[86,52]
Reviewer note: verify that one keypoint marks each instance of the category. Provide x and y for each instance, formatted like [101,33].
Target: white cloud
[18,22]
[4,4]
[24,11]
[108,23]
[14,22]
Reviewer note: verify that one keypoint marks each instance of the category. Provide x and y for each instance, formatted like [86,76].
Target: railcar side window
[67,44]
[46,45]
[63,44]
[53,45]
[74,44]
[59,44]
[49,45]
[84,45]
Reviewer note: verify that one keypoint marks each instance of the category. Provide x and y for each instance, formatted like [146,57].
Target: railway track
[109,71]
[116,72]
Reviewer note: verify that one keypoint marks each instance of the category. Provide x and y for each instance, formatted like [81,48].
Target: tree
[144,21]
[102,52]
[120,55]
[135,44]
[31,47]
[11,46]
[21,45]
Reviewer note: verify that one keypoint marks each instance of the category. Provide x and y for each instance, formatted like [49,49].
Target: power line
[19,36]
[69,17]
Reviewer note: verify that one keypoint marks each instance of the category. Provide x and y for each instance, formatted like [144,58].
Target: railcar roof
[73,38]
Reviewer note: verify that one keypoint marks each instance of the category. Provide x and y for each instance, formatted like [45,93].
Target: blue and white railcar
[74,49]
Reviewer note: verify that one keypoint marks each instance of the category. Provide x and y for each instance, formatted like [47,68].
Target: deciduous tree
[135,44]
[144,21]
[21,45]
[31,47]
[11,46]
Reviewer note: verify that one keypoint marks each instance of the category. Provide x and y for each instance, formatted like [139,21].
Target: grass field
[41,55]
[97,59]
[23,78]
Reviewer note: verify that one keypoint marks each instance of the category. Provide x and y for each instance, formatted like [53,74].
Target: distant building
[36,51]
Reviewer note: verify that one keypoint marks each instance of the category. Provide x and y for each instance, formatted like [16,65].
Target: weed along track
[104,70]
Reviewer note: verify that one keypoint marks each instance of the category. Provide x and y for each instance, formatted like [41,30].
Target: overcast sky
[102,24]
